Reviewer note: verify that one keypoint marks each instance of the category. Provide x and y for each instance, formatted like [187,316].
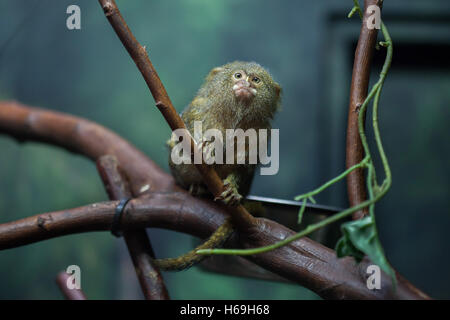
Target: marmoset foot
[230,196]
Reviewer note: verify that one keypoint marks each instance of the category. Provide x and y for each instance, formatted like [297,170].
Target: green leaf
[344,248]
[360,238]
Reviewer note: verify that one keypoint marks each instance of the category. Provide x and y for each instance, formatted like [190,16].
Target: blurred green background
[308,47]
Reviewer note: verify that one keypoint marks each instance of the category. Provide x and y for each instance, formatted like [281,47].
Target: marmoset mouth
[244,92]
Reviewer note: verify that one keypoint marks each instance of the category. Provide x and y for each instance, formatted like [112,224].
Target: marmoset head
[245,83]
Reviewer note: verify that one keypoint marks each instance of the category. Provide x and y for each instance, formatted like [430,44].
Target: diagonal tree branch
[241,218]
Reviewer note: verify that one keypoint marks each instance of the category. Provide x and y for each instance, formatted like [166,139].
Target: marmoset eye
[256,80]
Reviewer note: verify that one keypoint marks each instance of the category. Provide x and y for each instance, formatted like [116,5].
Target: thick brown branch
[303,261]
[356,186]
[241,218]
[86,138]
[137,241]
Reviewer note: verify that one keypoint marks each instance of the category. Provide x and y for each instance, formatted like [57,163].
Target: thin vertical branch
[137,241]
[356,186]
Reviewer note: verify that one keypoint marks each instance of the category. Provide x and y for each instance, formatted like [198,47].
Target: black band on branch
[115,226]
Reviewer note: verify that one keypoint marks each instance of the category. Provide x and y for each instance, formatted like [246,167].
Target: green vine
[360,237]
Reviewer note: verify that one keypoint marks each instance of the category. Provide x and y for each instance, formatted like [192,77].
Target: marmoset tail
[238,95]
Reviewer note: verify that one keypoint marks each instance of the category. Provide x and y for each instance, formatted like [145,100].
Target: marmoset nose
[243,83]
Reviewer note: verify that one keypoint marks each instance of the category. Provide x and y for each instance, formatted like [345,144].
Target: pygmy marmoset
[237,95]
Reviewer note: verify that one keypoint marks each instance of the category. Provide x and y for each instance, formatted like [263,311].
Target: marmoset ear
[213,72]
[277,89]
[278,92]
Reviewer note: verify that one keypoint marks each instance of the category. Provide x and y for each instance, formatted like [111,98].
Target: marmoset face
[245,85]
